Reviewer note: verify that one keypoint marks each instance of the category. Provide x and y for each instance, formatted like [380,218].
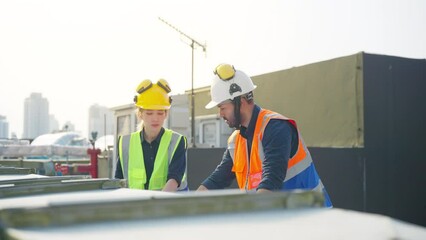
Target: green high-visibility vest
[133,165]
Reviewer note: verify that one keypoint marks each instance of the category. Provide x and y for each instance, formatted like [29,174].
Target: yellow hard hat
[153,96]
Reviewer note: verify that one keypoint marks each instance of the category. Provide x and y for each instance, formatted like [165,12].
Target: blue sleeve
[118,170]
[222,176]
[277,146]
[178,164]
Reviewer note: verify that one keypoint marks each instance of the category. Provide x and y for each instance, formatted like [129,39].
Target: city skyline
[49,123]
[4,127]
[36,116]
[81,53]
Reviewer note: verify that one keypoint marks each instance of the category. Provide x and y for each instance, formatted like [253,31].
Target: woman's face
[153,119]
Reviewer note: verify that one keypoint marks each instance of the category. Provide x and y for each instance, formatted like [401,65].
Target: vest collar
[247,132]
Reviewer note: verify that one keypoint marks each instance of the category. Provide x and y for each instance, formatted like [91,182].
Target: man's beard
[231,123]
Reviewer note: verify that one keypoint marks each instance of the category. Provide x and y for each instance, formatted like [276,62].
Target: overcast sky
[79,53]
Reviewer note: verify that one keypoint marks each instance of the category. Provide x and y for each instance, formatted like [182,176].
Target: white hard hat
[228,83]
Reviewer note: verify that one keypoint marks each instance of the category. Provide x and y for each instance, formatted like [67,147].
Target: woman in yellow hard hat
[153,158]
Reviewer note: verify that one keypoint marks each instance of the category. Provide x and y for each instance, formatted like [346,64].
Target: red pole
[93,152]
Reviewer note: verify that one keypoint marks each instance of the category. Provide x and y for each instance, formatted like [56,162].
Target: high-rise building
[53,124]
[101,120]
[4,127]
[36,116]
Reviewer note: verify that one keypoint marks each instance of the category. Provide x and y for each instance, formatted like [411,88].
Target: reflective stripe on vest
[248,174]
[132,161]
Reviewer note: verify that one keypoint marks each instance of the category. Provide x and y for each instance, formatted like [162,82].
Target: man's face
[226,111]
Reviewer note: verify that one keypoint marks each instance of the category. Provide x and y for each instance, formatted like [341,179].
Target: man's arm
[222,176]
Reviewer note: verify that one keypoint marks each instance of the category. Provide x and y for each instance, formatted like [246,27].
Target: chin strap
[237,114]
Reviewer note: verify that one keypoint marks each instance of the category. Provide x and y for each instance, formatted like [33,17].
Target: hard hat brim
[211,105]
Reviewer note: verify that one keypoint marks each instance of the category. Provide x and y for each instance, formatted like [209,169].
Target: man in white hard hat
[266,152]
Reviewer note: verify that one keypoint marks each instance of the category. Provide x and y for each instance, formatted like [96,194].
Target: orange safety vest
[249,175]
